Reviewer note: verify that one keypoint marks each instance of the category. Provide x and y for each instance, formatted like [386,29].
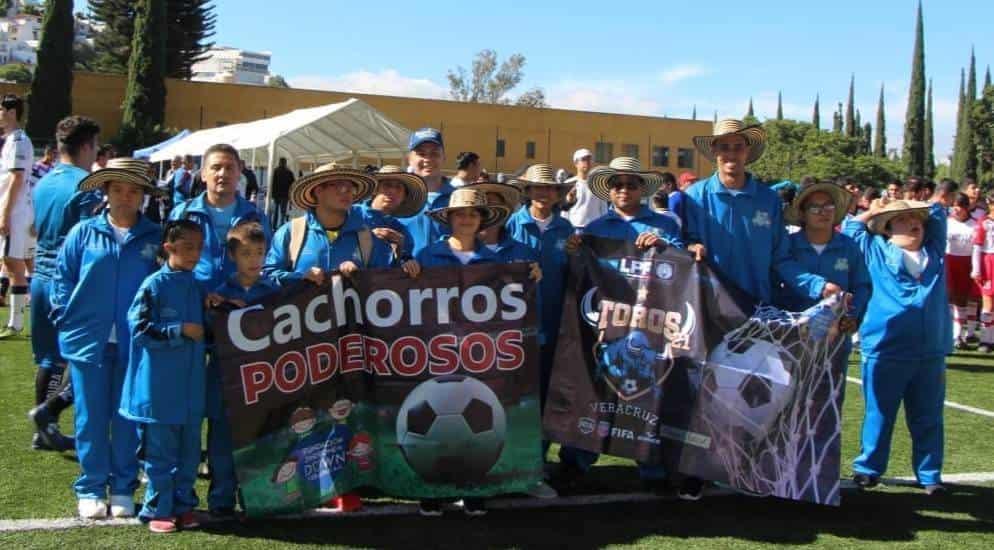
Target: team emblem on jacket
[842,264]
[761,219]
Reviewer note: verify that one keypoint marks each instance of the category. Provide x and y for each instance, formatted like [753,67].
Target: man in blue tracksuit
[181,183]
[427,153]
[56,212]
[218,209]
[905,336]
[100,267]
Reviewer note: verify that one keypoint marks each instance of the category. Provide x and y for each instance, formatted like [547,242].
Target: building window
[500,148]
[660,156]
[603,152]
[530,150]
[685,158]
[630,150]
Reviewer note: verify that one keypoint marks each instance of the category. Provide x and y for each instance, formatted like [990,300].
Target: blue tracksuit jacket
[424,230]
[165,379]
[440,254]
[611,225]
[841,262]
[56,212]
[375,219]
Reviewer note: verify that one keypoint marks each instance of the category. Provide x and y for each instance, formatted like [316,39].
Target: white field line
[950,404]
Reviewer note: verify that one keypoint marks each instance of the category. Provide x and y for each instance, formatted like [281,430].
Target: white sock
[971,318]
[958,315]
[987,330]
[17,303]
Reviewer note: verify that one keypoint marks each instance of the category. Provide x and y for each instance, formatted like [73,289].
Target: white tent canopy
[334,132]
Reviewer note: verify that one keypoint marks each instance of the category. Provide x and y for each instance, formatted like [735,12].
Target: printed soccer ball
[451,429]
[747,383]
[629,386]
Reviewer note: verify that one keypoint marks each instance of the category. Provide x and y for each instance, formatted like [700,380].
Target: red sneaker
[162,525]
[188,520]
[349,502]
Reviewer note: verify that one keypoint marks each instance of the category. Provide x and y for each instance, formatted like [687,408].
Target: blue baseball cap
[425,135]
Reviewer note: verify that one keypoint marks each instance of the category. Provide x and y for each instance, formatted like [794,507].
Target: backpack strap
[365,237]
[298,232]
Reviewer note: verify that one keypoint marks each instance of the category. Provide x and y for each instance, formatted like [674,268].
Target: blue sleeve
[935,231]
[146,328]
[675,205]
[673,234]
[67,273]
[856,230]
[693,220]
[860,284]
[277,266]
[787,268]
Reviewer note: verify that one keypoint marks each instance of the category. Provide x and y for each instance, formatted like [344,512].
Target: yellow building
[506,137]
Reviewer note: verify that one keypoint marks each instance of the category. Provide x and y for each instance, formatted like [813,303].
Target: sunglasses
[730,147]
[630,185]
[820,208]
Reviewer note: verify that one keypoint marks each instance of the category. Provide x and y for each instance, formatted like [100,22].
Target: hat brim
[840,197]
[100,178]
[302,193]
[523,183]
[754,135]
[492,215]
[878,223]
[415,196]
[511,194]
[599,181]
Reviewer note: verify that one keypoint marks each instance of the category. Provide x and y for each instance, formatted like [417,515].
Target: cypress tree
[693,115]
[859,124]
[914,123]
[837,120]
[816,115]
[929,136]
[852,127]
[987,78]
[750,113]
[145,99]
[50,98]
[956,168]
[880,145]
[113,43]
[779,105]
[716,118]
[866,138]
[969,141]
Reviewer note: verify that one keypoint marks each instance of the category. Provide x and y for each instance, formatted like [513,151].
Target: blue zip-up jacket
[552,258]
[424,230]
[744,237]
[906,318]
[611,225]
[165,379]
[181,185]
[56,212]
[841,262]
[94,285]
[318,252]
[510,251]
[440,254]
[375,218]
[215,265]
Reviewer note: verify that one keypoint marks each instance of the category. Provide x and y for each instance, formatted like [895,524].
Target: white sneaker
[91,508]
[122,506]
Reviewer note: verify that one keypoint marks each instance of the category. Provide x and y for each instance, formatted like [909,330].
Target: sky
[658,57]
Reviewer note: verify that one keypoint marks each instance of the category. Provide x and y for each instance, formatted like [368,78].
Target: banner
[651,363]
[422,388]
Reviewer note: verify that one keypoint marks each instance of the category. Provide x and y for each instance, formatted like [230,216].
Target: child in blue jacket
[398,196]
[99,268]
[164,385]
[247,248]
[905,335]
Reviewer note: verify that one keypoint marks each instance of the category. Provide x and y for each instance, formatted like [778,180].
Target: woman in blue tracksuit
[905,335]
[820,250]
[99,268]
[397,196]
[164,390]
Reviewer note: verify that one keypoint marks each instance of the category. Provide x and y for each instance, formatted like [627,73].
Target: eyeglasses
[820,208]
[618,185]
[730,147]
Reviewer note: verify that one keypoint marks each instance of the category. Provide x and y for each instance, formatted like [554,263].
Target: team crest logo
[664,270]
[761,219]
[842,264]
[586,425]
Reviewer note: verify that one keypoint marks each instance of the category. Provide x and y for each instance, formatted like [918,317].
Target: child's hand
[348,268]
[698,250]
[315,275]
[193,331]
[535,273]
[848,324]
[573,243]
[647,240]
[389,235]
[412,268]
[214,299]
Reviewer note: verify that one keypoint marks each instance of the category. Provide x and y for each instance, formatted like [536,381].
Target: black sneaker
[474,507]
[864,481]
[692,488]
[38,444]
[566,477]
[430,508]
[961,345]
[222,513]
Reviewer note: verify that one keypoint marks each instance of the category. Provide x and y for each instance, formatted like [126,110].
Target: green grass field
[37,485]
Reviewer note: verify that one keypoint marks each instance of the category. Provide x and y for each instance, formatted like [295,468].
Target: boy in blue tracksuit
[426,153]
[99,268]
[164,388]
[247,247]
[905,336]
[398,196]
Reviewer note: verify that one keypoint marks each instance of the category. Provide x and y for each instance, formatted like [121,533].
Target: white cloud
[384,82]
[681,72]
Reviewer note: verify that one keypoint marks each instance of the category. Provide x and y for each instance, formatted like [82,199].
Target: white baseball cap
[580,153]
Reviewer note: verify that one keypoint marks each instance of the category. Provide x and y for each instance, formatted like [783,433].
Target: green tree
[983,123]
[277,81]
[837,121]
[914,122]
[852,126]
[880,143]
[961,111]
[867,137]
[779,105]
[490,83]
[816,115]
[987,78]
[145,98]
[15,72]
[693,115]
[751,113]
[50,98]
[929,136]
[968,143]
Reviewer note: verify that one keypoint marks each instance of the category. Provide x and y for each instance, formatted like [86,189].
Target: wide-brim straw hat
[599,179]
[840,198]
[471,198]
[302,192]
[123,169]
[511,194]
[538,175]
[878,222]
[755,137]
[417,191]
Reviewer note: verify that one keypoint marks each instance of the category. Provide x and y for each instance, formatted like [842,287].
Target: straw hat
[840,198]
[471,198]
[538,175]
[302,192]
[511,194]
[754,135]
[126,169]
[599,179]
[417,191]
[878,222]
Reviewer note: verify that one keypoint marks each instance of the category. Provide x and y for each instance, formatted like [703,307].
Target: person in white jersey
[964,294]
[16,214]
[585,206]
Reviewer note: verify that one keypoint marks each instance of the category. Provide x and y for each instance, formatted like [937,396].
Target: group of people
[119,303]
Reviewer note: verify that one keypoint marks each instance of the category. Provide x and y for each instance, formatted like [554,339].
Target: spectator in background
[181,185]
[584,207]
[44,164]
[279,190]
[894,190]
[105,153]
[869,195]
[978,208]
[852,188]
[676,198]
[964,293]
[946,193]
[913,188]
[467,169]
[660,201]
[251,183]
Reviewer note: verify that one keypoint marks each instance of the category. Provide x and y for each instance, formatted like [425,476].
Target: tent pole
[269,176]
